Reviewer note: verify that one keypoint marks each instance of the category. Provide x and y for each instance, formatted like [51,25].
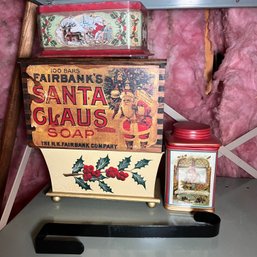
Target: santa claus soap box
[93,29]
[96,104]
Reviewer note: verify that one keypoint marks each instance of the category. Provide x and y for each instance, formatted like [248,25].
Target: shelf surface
[174,4]
[235,204]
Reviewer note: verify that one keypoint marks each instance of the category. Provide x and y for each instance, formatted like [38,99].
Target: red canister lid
[192,130]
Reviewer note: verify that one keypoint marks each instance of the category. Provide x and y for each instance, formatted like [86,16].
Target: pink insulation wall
[178,35]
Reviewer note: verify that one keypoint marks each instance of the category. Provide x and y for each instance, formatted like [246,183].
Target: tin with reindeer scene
[94,29]
[191,160]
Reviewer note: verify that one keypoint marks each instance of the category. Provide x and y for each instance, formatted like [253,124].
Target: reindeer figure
[70,36]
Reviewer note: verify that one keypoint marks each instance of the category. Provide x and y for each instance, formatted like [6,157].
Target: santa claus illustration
[137,119]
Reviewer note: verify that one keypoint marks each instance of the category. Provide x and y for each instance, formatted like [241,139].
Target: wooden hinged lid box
[98,124]
[95,104]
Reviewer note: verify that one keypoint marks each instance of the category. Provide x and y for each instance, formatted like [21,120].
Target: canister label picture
[192,179]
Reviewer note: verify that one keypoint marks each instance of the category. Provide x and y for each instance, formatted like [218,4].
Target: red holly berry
[113,169]
[97,173]
[88,168]
[87,176]
[111,172]
[124,174]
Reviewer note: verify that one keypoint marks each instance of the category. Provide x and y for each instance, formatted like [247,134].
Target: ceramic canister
[191,160]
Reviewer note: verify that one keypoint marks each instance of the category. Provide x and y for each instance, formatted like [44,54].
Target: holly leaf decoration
[51,18]
[82,184]
[124,163]
[105,187]
[94,179]
[139,179]
[53,43]
[101,177]
[78,165]
[102,163]
[114,15]
[141,164]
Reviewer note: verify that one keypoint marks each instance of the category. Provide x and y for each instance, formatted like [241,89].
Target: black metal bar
[174,4]
[36,2]
[206,225]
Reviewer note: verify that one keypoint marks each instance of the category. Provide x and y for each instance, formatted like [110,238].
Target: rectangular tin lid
[89,6]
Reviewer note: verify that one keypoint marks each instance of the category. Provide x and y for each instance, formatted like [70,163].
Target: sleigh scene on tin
[102,29]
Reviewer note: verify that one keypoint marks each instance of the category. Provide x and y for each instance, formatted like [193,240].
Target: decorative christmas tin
[191,157]
[94,104]
[94,29]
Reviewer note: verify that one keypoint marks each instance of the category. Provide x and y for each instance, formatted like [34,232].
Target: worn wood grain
[14,100]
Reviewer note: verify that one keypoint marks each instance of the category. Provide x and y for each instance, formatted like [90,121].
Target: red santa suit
[98,27]
[136,126]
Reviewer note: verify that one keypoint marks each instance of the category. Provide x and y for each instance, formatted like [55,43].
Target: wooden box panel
[97,104]
[103,174]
